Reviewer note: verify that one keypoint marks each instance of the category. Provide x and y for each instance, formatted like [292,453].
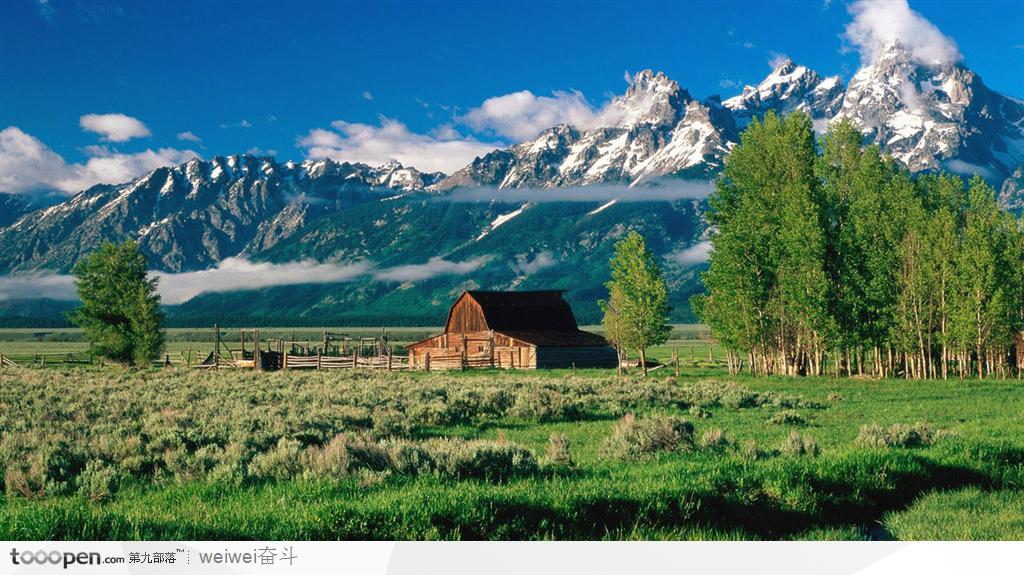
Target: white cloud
[367,95]
[258,151]
[695,254]
[242,124]
[776,59]
[29,166]
[233,274]
[878,22]
[969,169]
[189,137]
[114,127]
[544,259]
[667,189]
[435,266]
[38,286]
[376,145]
[522,115]
[239,273]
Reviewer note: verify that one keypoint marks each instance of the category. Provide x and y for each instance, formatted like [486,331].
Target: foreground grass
[964,486]
[967,514]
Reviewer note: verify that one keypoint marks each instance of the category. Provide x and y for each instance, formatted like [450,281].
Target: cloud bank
[28,166]
[878,22]
[659,190]
[444,150]
[233,274]
[114,127]
[695,254]
[544,259]
[522,115]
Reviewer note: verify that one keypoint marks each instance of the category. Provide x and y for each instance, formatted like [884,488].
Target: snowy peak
[195,214]
[938,116]
[786,89]
[652,98]
[394,176]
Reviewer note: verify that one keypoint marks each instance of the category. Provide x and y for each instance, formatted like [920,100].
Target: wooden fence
[388,362]
[46,359]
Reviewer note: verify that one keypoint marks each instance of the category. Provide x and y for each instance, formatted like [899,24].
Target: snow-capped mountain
[935,117]
[788,88]
[655,129]
[196,214]
[927,117]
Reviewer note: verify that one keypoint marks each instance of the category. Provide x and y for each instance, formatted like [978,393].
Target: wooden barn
[513,329]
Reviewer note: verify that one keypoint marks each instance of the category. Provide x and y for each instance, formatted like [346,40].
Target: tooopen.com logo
[64,558]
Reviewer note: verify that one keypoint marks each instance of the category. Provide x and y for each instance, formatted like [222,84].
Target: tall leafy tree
[836,251]
[638,307]
[120,311]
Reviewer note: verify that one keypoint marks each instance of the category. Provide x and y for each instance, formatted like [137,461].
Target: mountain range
[198,215]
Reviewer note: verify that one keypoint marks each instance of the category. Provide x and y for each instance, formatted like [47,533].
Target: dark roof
[530,311]
[558,338]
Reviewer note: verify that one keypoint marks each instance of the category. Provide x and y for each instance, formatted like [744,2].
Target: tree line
[828,256]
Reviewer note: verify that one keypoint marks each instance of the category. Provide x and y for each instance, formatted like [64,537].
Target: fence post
[675,359]
[319,360]
[465,352]
[426,362]
[389,360]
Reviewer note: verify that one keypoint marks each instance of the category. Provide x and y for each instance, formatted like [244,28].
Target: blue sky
[165,80]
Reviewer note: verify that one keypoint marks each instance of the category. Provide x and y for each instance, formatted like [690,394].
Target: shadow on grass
[855,488]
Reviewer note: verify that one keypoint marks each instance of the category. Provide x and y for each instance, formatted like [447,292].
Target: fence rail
[390,362]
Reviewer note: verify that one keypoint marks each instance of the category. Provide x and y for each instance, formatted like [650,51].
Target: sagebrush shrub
[284,461]
[633,438]
[481,459]
[409,458]
[543,405]
[699,412]
[797,445]
[557,452]
[897,435]
[714,440]
[345,455]
[787,417]
[391,423]
[98,481]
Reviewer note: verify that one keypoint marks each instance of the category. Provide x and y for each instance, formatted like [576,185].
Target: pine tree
[120,311]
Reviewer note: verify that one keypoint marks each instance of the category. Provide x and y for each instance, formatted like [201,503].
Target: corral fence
[47,359]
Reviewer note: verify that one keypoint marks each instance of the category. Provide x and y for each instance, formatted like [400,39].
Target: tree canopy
[636,312]
[828,251]
[120,310]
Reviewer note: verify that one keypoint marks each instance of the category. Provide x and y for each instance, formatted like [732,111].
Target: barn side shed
[525,329]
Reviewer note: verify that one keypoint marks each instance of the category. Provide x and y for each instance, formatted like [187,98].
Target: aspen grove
[829,257]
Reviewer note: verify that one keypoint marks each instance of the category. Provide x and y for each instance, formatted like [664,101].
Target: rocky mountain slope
[787,89]
[656,129]
[196,214]
[936,117]
[12,207]
[927,117]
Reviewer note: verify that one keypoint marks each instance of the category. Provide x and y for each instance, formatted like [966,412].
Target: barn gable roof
[533,311]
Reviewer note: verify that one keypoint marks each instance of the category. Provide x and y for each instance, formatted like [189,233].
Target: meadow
[109,453]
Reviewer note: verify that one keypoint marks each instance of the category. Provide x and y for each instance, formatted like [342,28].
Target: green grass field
[105,453]
[691,341]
